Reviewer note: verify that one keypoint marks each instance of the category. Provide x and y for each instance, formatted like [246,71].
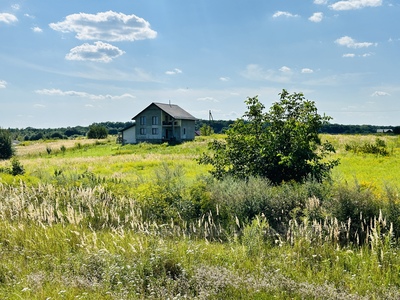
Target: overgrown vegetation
[281,145]
[105,221]
[378,148]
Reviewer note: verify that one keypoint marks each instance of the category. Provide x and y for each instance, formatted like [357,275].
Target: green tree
[97,131]
[206,130]
[6,146]
[280,145]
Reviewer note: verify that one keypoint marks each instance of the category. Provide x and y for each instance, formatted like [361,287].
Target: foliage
[15,169]
[281,145]
[206,130]
[97,131]
[379,148]
[6,146]
[82,226]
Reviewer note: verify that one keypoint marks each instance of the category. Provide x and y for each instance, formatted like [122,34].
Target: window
[184,130]
[154,120]
[143,131]
[154,131]
[143,120]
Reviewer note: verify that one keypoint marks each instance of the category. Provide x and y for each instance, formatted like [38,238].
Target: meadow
[91,219]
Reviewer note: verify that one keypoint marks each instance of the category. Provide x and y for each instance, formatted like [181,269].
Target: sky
[70,63]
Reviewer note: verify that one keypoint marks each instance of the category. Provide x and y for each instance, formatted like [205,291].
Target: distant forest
[219,126]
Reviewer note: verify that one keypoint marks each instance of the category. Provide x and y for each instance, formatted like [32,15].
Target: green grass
[76,226]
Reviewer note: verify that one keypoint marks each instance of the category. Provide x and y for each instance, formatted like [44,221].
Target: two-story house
[158,123]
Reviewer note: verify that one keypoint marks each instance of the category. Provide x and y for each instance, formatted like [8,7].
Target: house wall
[187,130]
[150,130]
[129,136]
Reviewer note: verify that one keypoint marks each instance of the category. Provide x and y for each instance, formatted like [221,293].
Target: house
[384,130]
[158,123]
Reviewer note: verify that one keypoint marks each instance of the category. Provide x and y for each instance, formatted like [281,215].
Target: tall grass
[145,222]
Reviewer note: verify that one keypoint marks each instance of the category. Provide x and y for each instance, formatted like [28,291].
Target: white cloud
[107,26]
[284,14]
[379,94]
[307,71]
[351,43]
[57,92]
[285,69]
[174,72]
[366,54]
[3,84]
[256,72]
[15,6]
[320,1]
[355,4]
[39,105]
[8,18]
[316,17]
[351,55]
[225,79]
[101,52]
[208,99]
[37,29]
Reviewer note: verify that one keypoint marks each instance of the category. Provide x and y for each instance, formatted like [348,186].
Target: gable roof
[128,127]
[171,109]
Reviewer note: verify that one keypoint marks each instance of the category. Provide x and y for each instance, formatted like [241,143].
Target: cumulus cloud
[379,94]
[37,29]
[8,18]
[285,69]
[320,1]
[307,71]
[100,51]
[107,26]
[350,55]
[3,84]
[354,4]
[174,72]
[57,92]
[284,14]
[316,17]
[351,43]
[225,79]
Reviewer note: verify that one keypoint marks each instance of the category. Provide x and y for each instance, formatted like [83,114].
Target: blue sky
[69,63]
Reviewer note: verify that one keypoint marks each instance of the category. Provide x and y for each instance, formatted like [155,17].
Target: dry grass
[34,148]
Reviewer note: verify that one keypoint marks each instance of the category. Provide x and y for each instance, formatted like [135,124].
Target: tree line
[214,126]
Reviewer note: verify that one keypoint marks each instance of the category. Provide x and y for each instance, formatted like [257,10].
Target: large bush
[280,145]
[97,132]
[6,147]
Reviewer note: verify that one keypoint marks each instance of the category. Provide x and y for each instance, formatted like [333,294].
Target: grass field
[91,219]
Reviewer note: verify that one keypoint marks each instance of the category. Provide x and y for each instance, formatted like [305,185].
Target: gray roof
[173,110]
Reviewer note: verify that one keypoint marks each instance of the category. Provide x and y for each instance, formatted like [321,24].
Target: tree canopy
[6,147]
[280,145]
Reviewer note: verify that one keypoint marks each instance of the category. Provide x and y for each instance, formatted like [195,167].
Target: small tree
[206,130]
[6,146]
[97,132]
[281,145]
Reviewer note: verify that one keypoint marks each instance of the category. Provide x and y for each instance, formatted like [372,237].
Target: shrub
[6,147]
[97,132]
[281,145]
[379,148]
